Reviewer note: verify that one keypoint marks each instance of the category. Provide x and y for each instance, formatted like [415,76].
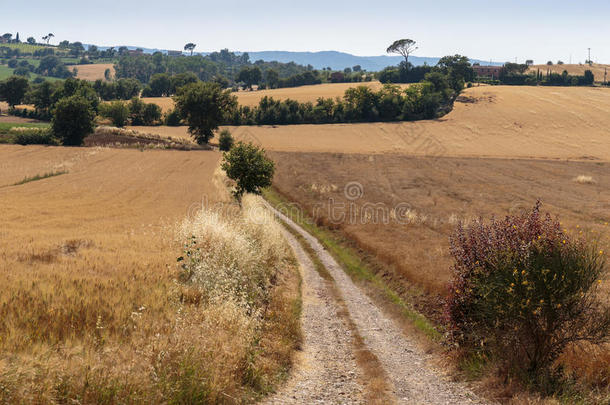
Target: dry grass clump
[121,137]
[582,179]
[230,267]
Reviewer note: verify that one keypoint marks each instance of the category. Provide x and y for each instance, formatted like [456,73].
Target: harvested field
[93,72]
[302,94]
[402,209]
[487,121]
[598,70]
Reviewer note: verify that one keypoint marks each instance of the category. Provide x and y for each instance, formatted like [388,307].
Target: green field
[24,47]
[6,126]
[5,72]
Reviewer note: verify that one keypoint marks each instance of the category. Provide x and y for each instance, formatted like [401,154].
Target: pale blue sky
[498,30]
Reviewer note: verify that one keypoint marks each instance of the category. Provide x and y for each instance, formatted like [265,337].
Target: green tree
[72,120]
[116,111]
[225,140]
[204,106]
[249,167]
[190,47]
[13,89]
[458,69]
[151,114]
[250,76]
[404,47]
[31,40]
[272,78]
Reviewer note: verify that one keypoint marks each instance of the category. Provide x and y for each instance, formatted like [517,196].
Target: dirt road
[413,378]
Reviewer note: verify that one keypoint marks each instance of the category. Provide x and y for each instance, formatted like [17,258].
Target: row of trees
[205,106]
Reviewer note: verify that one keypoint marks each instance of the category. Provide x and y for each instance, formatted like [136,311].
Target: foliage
[72,120]
[360,104]
[33,136]
[403,47]
[249,167]
[116,111]
[13,89]
[172,118]
[206,68]
[225,140]
[204,106]
[524,289]
[250,76]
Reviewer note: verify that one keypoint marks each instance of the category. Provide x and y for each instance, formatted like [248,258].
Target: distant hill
[333,59]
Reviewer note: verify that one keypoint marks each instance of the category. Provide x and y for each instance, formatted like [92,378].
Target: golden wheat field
[302,94]
[93,72]
[87,262]
[598,70]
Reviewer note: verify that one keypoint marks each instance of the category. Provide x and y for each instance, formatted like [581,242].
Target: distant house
[134,52]
[3,40]
[174,53]
[488,71]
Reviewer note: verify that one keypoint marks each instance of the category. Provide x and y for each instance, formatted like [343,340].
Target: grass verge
[356,268]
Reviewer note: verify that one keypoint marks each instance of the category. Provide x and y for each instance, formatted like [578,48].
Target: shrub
[72,120]
[33,136]
[225,140]
[116,111]
[151,114]
[523,290]
[172,118]
[247,165]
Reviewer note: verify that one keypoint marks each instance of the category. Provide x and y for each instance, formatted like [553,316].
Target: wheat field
[93,72]
[87,262]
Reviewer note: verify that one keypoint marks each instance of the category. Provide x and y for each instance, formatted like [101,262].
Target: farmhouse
[135,52]
[174,53]
[488,71]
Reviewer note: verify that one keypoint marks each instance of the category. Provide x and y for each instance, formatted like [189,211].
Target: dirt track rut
[413,377]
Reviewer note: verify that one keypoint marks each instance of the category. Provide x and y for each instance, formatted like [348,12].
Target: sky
[489,30]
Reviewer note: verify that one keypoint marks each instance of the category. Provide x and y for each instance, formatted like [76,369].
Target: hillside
[499,121]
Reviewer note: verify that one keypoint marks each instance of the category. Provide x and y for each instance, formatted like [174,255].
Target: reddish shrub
[523,289]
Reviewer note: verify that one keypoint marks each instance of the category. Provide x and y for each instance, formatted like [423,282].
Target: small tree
[190,47]
[13,89]
[249,167]
[204,106]
[225,140]
[72,120]
[404,47]
[116,111]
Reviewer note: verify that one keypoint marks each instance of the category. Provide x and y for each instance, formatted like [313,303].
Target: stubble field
[93,72]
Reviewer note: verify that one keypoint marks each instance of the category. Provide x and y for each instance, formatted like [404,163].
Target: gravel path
[325,371]
[414,379]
